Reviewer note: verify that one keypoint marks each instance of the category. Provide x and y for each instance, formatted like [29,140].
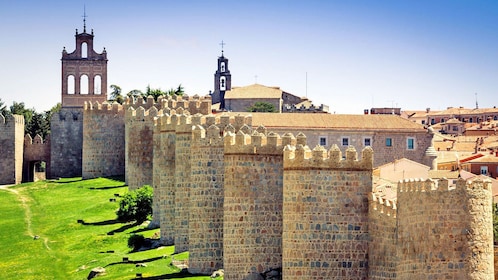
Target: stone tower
[84,73]
[84,79]
[222,81]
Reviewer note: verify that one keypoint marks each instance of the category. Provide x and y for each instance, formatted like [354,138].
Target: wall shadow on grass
[182,274]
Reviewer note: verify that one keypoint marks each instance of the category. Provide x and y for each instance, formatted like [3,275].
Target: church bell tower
[84,72]
[222,80]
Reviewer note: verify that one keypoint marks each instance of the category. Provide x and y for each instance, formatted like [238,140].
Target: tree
[262,107]
[3,108]
[135,93]
[136,205]
[116,94]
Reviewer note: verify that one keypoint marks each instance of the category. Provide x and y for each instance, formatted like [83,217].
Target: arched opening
[84,84]
[97,81]
[222,66]
[222,83]
[37,171]
[84,50]
[70,85]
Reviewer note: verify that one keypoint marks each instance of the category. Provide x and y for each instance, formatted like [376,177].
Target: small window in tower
[84,84]
[222,83]
[222,67]
[96,84]
[70,84]
[84,50]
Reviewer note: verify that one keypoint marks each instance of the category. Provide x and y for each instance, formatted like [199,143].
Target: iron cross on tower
[84,16]
[222,44]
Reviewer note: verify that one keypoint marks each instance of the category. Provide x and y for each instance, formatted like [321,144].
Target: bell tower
[84,72]
[222,80]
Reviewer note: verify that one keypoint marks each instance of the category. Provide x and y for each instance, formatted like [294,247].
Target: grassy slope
[67,249]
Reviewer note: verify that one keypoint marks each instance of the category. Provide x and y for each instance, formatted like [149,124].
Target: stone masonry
[256,203]
[325,234]
[103,140]
[11,148]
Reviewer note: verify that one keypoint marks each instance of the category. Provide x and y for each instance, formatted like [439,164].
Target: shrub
[136,241]
[136,205]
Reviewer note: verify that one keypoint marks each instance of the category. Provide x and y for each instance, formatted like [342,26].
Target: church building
[240,99]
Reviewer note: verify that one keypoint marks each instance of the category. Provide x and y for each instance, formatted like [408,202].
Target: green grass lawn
[67,249]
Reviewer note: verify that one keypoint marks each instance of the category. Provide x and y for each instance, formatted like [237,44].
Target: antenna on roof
[477,105]
[84,19]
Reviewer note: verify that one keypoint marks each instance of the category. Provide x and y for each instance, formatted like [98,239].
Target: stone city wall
[139,146]
[66,143]
[252,225]
[445,232]
[103,140]
[382,248]
[35,150]
[325,212]
[11,148]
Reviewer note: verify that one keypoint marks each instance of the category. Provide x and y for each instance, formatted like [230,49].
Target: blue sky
[350,55]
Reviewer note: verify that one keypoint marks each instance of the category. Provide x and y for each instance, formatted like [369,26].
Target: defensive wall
[103,140]
[325,212]
[254,202]
[66,143]
[35,151]
[434,231]
[11,148]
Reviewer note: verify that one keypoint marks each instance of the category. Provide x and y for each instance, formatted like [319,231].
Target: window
[423,121]
[96,84]
[495,118]
[470,120]
[367,142]
[222,67]
[323,141]
[389,142]
[345,141]
[433,121]
[410,143]
[484,170]
[222,83]
[455,128]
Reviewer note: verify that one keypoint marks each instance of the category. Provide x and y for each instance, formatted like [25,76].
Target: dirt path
[27,212]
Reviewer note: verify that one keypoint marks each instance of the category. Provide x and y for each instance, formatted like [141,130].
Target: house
[482,164]
[391,136]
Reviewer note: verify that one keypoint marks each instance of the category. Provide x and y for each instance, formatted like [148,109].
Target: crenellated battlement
[383,206]
[141,114]
[104,107]
[255,143]
[301,156]
[420,185]
[11,119]
[194,104]
[38,140]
